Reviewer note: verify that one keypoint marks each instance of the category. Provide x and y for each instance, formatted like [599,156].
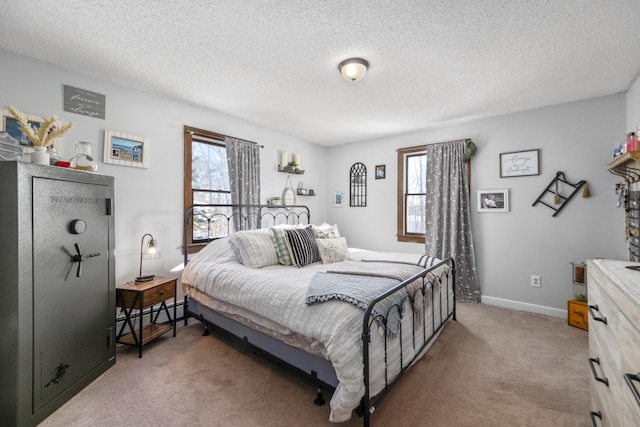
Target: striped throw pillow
[302,246]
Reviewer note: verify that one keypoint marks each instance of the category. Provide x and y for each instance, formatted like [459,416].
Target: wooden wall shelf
[626,166]
[291,170]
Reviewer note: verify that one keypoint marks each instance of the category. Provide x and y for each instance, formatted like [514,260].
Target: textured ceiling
[274,63]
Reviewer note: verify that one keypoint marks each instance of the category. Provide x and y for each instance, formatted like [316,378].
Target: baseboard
[523,306]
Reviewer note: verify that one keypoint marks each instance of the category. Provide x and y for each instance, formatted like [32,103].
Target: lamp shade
[353,69]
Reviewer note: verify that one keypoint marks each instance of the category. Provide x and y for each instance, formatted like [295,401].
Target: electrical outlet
[535,281]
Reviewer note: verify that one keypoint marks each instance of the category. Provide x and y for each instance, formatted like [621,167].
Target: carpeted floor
[493,367]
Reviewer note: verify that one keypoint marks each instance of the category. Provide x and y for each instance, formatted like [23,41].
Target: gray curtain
[448,218]
[243,160]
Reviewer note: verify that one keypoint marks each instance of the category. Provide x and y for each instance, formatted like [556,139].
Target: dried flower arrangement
[48,129]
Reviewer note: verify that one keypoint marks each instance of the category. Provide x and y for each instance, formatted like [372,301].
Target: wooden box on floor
[578,314]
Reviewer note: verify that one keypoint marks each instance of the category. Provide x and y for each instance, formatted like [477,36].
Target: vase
[40,156]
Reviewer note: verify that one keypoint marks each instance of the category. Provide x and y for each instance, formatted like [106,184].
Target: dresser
[57,299]
[614,342]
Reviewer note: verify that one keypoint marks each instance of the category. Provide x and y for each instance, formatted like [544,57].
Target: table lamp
[150,251]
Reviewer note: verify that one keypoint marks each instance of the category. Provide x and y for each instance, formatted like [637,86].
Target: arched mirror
[358,185]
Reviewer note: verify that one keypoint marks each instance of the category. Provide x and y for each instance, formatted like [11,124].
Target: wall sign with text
[84,102]
[519,163]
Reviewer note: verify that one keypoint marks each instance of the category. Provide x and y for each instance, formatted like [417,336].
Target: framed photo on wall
[493,200]
[125,150]
[338,199]
[10,125]
[519,163]
[381,171]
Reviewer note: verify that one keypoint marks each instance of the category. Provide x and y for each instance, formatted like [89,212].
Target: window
[206,180]
[412,189]
[412,193]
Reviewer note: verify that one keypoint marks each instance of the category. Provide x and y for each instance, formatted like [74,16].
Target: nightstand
[139,296]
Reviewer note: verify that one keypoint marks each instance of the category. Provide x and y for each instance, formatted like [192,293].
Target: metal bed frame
[318,369]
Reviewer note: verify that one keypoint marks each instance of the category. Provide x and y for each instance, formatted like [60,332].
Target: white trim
[523,306]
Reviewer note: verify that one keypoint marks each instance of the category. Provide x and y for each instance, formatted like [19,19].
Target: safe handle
[79,257]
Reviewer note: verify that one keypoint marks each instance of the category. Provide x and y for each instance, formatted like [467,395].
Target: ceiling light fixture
[353,69]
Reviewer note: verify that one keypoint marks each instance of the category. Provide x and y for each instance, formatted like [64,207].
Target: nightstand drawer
[159,293]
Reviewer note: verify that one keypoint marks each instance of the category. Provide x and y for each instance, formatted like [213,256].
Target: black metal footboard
[424,292]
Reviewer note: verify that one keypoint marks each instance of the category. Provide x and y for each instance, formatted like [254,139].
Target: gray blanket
[360,290]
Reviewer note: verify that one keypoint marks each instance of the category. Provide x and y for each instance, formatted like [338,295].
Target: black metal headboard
[216,221]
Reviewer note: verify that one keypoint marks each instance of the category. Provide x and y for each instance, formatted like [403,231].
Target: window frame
[202,136]
[401,220]
[402,235]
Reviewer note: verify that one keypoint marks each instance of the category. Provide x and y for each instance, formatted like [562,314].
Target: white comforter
[334,327]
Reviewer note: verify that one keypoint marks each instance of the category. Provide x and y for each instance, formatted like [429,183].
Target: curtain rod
[214,135]
[434,143]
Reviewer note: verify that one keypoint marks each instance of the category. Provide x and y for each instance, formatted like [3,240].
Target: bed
[353,320]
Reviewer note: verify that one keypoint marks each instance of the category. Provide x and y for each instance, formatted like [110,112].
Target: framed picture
[10,125]
[493,200]
[125,150]
[380,171]
[519,163]
[338,199]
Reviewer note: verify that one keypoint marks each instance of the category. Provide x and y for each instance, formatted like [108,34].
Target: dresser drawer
[606,328]
[606,411]
[630,350]
[607,396]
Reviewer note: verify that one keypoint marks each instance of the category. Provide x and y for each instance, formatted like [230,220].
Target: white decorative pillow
[333,250]
[326,231]
[254,248]
[302,246]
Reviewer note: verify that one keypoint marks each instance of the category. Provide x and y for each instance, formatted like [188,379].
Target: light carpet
[492,367]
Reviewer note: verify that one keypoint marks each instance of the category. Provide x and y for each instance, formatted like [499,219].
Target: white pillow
[326,231]
[254,248]
[333,250]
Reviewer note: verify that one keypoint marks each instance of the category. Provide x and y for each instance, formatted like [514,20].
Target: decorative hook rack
[553,189]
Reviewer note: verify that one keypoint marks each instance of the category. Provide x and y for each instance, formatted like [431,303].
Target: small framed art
[125,150]
[11,126]
[519,163]
[338,199]
[493,200]
[381,171]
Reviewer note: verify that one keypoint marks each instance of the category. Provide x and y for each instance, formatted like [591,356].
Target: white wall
[633,107]
[575,138]
[633,115]
[150,200]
